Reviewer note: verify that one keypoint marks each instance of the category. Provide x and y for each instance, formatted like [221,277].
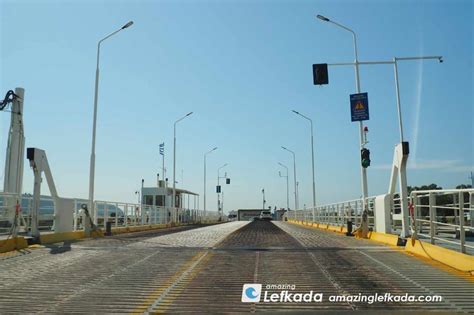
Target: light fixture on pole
[363,170]
[173,202]
[94,125]
[205,159]
[294,175]
[312,160]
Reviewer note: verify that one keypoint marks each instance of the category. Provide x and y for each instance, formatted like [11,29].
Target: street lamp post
[263,199]
[94,124]
[312,160]
[287,186]
[173,202]
[294,176]
[205,160]
[361,128]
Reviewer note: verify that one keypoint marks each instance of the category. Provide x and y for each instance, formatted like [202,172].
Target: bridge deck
[202,269]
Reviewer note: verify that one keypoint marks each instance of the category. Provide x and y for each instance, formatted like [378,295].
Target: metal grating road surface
[202,270]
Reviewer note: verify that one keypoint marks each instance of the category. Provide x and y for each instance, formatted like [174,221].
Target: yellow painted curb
[69,236]
[443,255]
[60,237]
[13,244]
[388,239]
[325,227]
[128,229]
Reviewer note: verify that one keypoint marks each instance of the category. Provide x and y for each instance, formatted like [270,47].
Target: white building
[162,196]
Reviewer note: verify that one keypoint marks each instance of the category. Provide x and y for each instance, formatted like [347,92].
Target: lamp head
[325,19]
[127,25]
[294,111]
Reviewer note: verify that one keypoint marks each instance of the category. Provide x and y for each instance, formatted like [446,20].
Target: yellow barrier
[61,237]
[443,255]
[388,239]
[326,227]
[140,228]
[13,244]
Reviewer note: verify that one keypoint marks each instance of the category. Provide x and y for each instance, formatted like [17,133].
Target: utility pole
[401,150]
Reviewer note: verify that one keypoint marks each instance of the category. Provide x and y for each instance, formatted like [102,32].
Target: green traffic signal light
[365,157]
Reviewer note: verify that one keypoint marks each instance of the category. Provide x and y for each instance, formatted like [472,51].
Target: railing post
[471,208]
[75,215]
[106,213]
[116,214]
[125,214]
[431,201]
[462,236]
[416,201]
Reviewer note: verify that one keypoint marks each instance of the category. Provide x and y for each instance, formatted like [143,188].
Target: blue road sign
[359,107]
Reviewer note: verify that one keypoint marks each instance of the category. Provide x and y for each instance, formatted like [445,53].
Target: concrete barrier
[11,244]
[456,260]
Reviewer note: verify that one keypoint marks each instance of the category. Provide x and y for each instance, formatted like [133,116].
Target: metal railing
[336,214]
[444,217]
[120,214]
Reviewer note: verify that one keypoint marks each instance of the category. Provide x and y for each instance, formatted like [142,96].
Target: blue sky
[240,66]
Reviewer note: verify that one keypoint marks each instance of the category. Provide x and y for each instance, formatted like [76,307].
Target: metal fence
[120,214]
[337,214]
[443,217]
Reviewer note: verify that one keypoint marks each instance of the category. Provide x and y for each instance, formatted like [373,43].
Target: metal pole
[205,184]
[296,183]
[163,163]
[94,125]
[173,202]
[219,204]
[397,88]
[205,159]
[312,167]
[287,187]
[287,192]
[364,223]
[312,160]
[294,173]
[361,129]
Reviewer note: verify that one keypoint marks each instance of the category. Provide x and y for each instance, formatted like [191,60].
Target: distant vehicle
[265,215]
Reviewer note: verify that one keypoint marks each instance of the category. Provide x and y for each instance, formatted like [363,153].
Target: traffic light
[227,180]
[320,74]
[218,189]
[365,157]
